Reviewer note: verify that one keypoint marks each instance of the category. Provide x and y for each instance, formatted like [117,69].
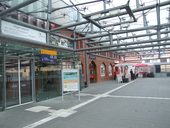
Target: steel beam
[12,38]
[105,57]
[155,49]
[124,44]
[106,10]
[105,17]
[75,5]
[70,25]
[129,37]
[136,47]
[123,31]
[115,24]
[66,37]
[17,7]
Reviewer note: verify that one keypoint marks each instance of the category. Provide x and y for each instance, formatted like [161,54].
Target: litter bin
[144,75]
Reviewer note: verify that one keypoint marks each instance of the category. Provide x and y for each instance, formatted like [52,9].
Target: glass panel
[167,68]
[25,81]
[70,65]
[64,65]
[163,68]
[47,80]
[12,83]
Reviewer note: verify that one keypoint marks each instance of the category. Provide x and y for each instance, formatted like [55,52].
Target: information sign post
[70,81]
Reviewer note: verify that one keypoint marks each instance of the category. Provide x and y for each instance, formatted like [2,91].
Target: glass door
[18,82]
[25,81]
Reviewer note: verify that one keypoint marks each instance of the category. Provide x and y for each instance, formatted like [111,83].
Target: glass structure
[26,75]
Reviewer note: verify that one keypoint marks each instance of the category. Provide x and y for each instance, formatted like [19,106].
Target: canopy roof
[137,28]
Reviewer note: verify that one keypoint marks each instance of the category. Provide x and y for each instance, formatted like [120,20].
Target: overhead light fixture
[125,25]
[114,12]
[109,28]
[97,16]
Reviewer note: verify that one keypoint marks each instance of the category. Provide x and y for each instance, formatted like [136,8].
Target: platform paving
[142,103]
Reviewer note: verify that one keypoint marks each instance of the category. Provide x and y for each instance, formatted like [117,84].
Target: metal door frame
[32,77]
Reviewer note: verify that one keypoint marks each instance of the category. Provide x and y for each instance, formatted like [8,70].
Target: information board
[70,81]
[48,56]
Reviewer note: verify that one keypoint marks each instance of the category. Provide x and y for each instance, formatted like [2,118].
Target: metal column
[86,57]
[4,79]
[137,4]
[158,25]
[48,24]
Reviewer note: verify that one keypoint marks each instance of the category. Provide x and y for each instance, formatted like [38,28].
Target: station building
[33,55]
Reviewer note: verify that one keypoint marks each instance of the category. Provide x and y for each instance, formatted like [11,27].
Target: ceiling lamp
[125,25]
[109,28]
[114,12]
[97,16]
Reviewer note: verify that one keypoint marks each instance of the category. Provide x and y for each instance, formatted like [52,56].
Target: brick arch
[92,72]
[105,71]
[92,62]
[103,63]
[112,68]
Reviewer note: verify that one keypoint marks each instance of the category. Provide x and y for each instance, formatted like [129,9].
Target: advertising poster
[22,32]
[58,41]
[126,70]
[70,80]
[136,70]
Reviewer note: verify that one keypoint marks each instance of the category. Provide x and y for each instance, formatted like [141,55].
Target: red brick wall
[98,61]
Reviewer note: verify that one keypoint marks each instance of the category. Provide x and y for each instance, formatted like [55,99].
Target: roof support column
[137,4]
[111,42]
[48,23]
[86,57]
[0,26]
[75,40]
[158,26]
[104,8]
[78,16]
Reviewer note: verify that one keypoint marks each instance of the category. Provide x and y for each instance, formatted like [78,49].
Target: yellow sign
[48,52]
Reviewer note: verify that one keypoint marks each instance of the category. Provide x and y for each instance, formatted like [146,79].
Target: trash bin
[144,75]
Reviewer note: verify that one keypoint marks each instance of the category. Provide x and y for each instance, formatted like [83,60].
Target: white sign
[70,80]
[119,78]
[11,29]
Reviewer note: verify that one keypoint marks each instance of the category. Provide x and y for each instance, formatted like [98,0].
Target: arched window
[102,69]
[110,70]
